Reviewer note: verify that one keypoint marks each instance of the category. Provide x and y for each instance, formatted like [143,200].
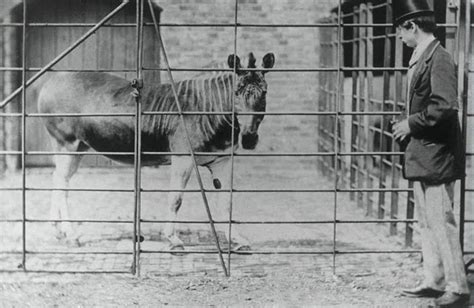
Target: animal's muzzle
[249,141]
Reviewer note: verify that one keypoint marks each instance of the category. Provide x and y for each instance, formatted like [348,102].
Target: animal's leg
[221,178]
[66,166]
[181,168]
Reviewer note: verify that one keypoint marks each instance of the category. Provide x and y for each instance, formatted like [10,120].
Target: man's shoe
[422,291]
[450,299]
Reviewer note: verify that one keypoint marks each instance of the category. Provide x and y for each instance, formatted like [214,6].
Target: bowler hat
[408,9]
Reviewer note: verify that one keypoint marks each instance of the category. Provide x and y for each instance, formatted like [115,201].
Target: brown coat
[434,153]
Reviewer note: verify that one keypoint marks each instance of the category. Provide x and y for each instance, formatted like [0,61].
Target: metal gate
[357,153]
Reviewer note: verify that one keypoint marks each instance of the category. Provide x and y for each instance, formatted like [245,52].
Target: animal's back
[84,92]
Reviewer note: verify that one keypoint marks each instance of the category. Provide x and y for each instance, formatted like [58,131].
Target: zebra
[214,94]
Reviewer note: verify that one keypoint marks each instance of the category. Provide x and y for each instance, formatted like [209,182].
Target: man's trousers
[443,264]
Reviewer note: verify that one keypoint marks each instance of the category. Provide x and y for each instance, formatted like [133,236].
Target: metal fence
[372,78]
[356,152]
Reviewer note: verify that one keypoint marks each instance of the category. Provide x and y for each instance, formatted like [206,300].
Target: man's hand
[401,130]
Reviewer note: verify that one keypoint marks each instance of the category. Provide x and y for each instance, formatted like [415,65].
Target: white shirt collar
[420,48]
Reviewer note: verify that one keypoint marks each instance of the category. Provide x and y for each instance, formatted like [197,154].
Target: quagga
[86,92]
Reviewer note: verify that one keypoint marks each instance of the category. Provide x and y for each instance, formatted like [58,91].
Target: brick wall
[293,48]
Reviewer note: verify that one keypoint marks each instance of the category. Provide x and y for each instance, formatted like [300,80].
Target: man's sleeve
[443,98]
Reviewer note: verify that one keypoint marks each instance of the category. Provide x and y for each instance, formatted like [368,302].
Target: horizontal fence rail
[216,25]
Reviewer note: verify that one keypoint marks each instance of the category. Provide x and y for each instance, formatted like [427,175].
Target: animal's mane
[219,66]
[205,93]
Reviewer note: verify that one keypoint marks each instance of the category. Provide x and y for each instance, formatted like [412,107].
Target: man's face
[407,35]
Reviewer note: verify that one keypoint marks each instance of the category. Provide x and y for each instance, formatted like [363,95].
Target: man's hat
[408,9]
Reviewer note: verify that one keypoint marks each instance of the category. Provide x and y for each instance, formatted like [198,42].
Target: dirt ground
[372,279]
[281,285]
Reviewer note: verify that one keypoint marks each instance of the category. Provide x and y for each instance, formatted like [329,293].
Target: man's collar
[420,48]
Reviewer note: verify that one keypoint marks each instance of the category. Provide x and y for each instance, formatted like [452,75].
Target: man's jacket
[434,153]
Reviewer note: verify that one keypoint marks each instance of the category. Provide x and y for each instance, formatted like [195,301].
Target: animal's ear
[268,61]
[234,59]
[252,61]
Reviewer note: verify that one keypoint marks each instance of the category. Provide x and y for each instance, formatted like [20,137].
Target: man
[433,154]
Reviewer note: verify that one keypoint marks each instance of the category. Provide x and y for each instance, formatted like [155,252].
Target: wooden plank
[452,11]
[12,80]
[34,126]
[42,50]
[151,56]
[105,38]
[89,47]
[46,43]
[2,120]
[119,42]
[110,48]
[93,12]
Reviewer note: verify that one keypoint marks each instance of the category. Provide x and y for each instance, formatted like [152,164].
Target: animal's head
[250,93]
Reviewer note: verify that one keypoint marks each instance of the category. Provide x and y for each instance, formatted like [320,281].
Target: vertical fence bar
[354,107]
[362,131]
[137,145]
[341,124]
[410,215]
[323,96]
[395,173]
[465,51]
[398,96]
[231,182]
[410,202]
[385,97]
[23,135]
[336,131]
[369,105]
[329,45]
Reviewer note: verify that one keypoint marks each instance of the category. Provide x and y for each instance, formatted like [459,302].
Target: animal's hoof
[177,250]
[243,249]
[61,236]
[75,242]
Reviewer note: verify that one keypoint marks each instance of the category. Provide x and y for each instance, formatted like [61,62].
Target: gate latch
[453,4]
[137,85]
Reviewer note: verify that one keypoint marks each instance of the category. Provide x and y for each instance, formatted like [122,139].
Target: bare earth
[197,279]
